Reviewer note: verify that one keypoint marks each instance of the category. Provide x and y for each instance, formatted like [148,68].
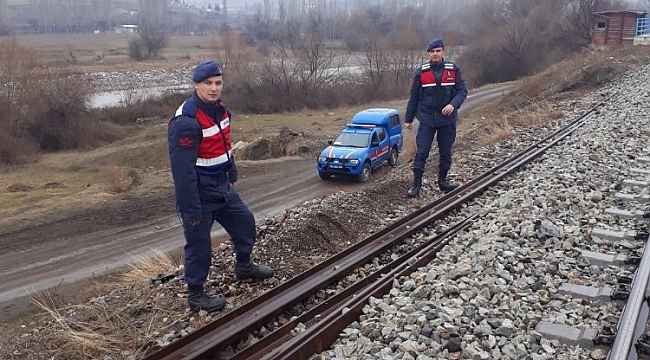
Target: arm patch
[185,142]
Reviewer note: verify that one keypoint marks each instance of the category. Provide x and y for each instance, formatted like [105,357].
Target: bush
[130,112]
[136,49]
[149,42]
[43,110]
[13,150]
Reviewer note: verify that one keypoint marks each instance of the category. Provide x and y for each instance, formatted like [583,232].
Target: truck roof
[377,116]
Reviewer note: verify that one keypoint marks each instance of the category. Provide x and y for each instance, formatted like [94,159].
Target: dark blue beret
[205,70]
[435,43]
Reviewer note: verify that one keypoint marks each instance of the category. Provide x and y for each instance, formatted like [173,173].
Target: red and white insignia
[185,142]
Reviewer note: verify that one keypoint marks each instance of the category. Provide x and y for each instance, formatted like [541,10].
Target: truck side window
[375,138]
[394,121]
[382,134]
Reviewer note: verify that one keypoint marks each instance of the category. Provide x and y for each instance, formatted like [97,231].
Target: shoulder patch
[450,66]
[185,142]
[426,66]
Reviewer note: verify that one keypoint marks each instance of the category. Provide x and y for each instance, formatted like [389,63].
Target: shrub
[13,150]
[43,110]
[136,49]
[150,41]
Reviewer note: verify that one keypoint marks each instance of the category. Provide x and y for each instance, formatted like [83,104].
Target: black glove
[190,220]
[232,171]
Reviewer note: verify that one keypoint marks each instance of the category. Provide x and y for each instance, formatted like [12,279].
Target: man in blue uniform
[437,93]
[200,153]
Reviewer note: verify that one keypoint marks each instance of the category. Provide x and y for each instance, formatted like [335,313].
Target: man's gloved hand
[191,220]
[233,175]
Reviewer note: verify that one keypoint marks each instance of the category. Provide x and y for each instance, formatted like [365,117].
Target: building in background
[620,28]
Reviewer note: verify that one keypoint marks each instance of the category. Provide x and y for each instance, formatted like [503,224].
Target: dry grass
[530,104]
[146,268]
[121,180]
[582,72]
[498,126]
[79,338]
[122,326]
[105,51]
[499,130]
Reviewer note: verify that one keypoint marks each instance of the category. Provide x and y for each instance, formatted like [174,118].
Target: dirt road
[32,261]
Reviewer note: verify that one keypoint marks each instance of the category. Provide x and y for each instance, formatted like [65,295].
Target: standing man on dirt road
[437,93]
[204,170]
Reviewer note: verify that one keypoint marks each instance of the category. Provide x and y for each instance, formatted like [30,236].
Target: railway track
[316,320]
[630,339]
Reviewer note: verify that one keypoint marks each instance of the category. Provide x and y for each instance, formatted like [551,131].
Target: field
[109,51]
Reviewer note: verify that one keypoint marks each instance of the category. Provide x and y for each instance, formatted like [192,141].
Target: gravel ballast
[488,289]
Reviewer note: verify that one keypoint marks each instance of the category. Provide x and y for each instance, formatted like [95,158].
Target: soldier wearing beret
[437,93]
[203,169]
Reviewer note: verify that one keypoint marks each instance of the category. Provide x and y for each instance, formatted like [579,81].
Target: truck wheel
[325,176]
[393,158]
[365,173]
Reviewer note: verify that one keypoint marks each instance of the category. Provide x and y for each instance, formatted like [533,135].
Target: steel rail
[279,337]
[632,323]
[320,335]
[232,327]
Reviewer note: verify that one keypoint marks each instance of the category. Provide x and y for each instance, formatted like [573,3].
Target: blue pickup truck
[372,139]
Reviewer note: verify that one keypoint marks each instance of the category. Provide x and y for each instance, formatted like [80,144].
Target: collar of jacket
[437,66]
[208,108]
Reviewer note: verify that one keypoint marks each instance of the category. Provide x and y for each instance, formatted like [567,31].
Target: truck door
[384,144]
[374,153]
[381,151]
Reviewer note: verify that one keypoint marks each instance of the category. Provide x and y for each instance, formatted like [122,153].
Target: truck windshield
[359,140]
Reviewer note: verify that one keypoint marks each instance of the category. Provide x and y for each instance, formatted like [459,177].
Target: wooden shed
[616,27]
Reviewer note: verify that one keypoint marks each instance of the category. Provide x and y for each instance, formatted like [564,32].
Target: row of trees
[501,39]
[518,37]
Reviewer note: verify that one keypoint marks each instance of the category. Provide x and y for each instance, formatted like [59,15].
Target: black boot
[446,186]
[414,190]
[199,300]
[251,271]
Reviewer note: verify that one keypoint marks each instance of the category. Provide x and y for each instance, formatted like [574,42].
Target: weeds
[121,180]
[148,267]
[122,324]
[40,110]
[77,335]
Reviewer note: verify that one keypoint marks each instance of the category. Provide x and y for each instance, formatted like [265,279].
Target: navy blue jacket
[426,102]
[198,189]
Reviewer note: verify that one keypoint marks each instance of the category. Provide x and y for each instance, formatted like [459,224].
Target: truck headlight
[322,159]
[354,162]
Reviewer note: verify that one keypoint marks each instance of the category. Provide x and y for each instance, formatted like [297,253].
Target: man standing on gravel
[437,93]
[204,170]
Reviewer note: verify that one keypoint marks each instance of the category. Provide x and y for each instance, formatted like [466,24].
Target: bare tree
[152,35]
